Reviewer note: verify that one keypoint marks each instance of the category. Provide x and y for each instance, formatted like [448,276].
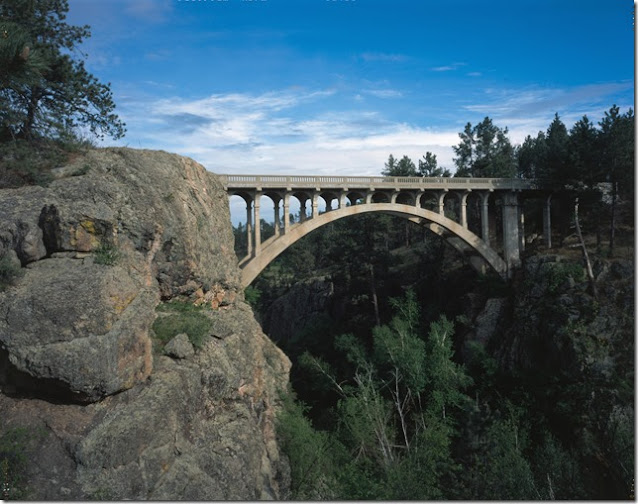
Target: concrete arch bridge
[420,200]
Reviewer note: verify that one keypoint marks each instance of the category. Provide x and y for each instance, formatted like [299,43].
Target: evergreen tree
[428,167]
[465,152]
[404,168]
[484,151]
[584,158]
[44,90]
[557,157]
[617,158]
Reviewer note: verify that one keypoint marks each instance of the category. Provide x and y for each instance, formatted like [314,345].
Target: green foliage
[28,163]
[107,254]
[13,463]
[504,471]
[309,452]
[557,473]
[182,317]
[428,167]
[81,171]
[9,272]
[484,151]
[44,91]
[252,295]
[14,451]
[395,413]
[561,272]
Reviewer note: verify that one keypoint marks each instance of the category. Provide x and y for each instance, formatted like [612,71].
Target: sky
[329,87]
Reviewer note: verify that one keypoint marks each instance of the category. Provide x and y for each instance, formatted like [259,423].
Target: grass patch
[9,272]
[182,317]
[106,254]
[29,162]
[14,445]
[81,171]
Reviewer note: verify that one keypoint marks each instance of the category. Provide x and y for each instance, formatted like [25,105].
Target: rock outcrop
[116,414]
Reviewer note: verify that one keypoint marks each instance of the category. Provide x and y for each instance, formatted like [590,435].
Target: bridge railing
[336,182]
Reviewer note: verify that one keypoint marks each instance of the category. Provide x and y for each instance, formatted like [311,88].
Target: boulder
[179,347]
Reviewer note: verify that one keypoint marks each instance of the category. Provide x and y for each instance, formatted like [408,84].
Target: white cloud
[265,133]
[303,131]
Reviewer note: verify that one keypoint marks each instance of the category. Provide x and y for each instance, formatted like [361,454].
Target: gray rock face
[82,325]
[557,324]
[77,366]
[487,321]
[179,347]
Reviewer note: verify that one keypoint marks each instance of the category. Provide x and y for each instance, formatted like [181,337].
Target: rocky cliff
[94,403]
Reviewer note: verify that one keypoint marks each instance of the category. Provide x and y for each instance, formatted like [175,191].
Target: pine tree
[44,91]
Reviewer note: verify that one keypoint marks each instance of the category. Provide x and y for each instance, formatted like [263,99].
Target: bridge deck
[290,182]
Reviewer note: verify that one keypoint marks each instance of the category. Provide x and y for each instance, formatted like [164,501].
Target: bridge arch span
[460,237]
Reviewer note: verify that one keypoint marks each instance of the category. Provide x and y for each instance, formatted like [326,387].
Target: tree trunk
[373,291]
[590,273]
[612,230]
[27,127]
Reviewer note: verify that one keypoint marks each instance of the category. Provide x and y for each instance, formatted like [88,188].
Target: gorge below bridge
[421,200]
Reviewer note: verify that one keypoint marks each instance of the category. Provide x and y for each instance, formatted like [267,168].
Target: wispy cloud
[153,11]
[304,131]
[529,110]
[448,68]
[384,93]
[159,55]
[380,56]
[267,133]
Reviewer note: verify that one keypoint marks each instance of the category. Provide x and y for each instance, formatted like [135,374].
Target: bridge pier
[276,201]
[440,196]
[286,212]
[511,249]
[343,196]
[463,201]
[257,204]
[249,227]
[485,223]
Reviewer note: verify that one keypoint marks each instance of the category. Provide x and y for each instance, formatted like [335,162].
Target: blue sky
[334,87]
